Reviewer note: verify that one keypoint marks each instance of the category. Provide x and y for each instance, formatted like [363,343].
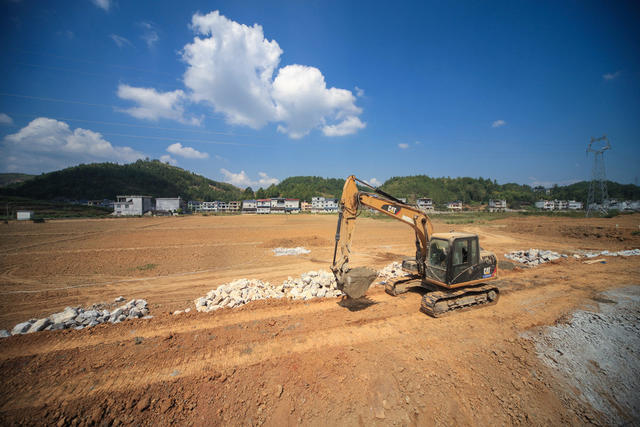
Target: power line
[204,141]
[38,98]
[68,119]
[88,61]
[88,73]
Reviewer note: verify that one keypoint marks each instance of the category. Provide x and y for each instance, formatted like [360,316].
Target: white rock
[39,325]
[64,316]
[21,328]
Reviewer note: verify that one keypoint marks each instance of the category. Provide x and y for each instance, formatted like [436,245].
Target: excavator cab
[454,258]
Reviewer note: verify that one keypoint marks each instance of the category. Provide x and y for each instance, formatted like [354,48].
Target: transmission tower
[598,198]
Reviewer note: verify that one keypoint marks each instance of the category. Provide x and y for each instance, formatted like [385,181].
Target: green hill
[13,178]
[106,180]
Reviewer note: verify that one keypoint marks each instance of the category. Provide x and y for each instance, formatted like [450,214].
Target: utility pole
[598,198]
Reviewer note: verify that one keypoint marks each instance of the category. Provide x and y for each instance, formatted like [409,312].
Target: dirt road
[280,362]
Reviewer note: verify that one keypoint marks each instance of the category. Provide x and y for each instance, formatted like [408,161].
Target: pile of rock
[533,257]
[628,252]
[79,318]
[290,251]
[314,284]
[391,271]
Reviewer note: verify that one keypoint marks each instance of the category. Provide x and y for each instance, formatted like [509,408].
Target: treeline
[157,179]
[107,180]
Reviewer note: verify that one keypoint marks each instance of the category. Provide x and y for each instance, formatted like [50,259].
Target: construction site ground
[282,362]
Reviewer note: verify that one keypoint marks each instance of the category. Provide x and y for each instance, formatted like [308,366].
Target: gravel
[533,257]
[598,353]
[80,318]
[290,251]
[314,284]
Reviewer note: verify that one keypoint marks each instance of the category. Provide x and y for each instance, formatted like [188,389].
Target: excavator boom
[354,282]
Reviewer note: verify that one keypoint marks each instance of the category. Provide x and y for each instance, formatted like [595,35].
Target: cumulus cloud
[375,182]
[149,34]
[47,144]
[154,105]
[231,67]
[242,180]
[611,76]
[498,123]
[5,119]
[120,41]
[102,4]
[186,152]
[168,159]
[403,146]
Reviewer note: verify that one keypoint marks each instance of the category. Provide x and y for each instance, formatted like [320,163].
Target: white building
[234,206]
[194,205]
[169,204]
[209,207]
[249,206]
[455,206]
[574,205]
[425,204]
[561,205]
[132,205]
[547,205]
[24,215]
[497,205]
[263,206]
[292,205]
[323,205]
[277,205]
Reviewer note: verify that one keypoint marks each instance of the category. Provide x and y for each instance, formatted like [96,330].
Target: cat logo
[391,209]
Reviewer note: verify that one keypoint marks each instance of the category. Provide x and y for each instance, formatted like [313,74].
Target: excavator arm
[355,281]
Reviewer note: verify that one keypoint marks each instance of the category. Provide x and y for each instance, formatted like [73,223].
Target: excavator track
[401,286]
[442,302]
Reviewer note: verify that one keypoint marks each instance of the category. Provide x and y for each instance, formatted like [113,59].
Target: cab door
[464,259]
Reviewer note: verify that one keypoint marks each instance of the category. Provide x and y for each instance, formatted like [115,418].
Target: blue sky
[253,92]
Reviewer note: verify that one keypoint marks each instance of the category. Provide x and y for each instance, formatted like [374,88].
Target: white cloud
[168,159]
[102,4]
[348,126]
[359,92]
[611,76]
[5,119]
[231,67]
[242,180]
[120,41]
[154,105]
[403,146]
[149,34]
[375,182]
[47,144]
[186,152]
[498,123]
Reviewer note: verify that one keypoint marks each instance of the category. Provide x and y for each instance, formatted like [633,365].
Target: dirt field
[280,362]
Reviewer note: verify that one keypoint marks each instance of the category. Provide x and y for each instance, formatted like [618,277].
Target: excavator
[452,267]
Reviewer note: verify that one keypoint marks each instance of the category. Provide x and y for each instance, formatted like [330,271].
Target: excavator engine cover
[356,281]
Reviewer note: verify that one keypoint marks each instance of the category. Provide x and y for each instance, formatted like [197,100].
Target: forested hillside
[157,179]
[106,180]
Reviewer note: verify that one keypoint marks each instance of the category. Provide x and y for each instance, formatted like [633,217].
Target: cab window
[438,251]
[461,252]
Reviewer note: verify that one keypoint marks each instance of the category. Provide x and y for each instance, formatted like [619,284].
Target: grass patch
[146,267]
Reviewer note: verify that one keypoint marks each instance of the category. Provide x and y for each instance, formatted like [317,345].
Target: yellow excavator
[451,266]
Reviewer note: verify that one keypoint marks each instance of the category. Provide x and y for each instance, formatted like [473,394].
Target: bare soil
[282,362]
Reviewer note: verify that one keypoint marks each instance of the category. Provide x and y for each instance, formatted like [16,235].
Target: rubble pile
[314,284]
[290,251]
[80,318]
[391,271]
[534,257]
[628,252]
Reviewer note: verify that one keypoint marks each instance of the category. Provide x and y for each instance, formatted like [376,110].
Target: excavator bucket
[356,281]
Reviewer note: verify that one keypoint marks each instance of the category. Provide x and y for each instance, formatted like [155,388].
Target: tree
[248,194]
